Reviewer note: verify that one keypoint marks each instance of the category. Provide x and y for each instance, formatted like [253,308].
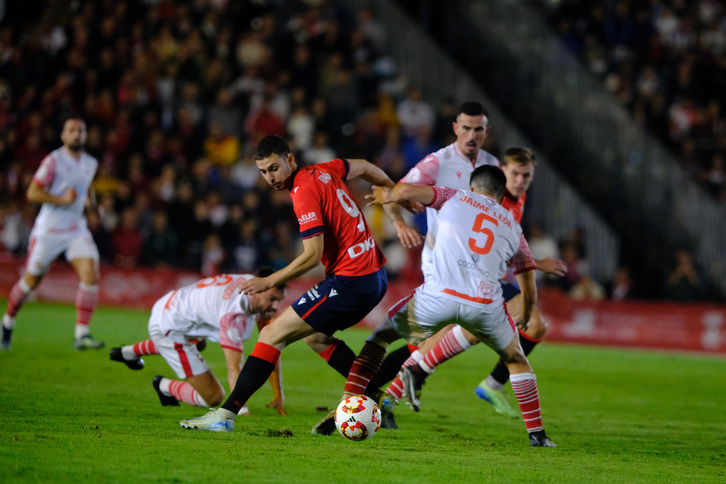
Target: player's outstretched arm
[310,257]
[551,266]
[529,298]
[375,176]
[402,192]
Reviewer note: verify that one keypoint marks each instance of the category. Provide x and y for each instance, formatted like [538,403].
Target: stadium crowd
[665,60]
[177,95]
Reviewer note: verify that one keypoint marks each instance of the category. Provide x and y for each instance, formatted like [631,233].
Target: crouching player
[476,239]
[183,319]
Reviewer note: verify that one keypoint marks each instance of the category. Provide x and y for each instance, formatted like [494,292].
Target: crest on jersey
[325,177]
[458,174]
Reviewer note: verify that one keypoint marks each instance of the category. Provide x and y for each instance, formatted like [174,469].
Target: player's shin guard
[257,369]
[86,300]
[524,386]
[500,373]
[365,366]
[452,343]
[18,295]
[339,357]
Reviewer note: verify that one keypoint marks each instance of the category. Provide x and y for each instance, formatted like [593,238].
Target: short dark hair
[472,108]
[489,179]
[519,154]
[265,271]
[272,145]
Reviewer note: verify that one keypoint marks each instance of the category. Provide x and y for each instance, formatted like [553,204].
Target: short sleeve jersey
[514,205]
[211,308]
[477,240]
[58,172]
[447,167]
[323,205]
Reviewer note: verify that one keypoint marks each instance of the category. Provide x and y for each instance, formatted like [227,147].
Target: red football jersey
[323,205]
[514,205]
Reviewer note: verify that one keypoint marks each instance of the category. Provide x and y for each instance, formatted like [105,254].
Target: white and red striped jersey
[447,167]
[477,240]
[211,308]
[58,172]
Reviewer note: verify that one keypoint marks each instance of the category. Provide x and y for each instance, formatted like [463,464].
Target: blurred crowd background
[176,95]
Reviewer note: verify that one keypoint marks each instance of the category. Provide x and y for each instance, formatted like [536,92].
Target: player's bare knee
[537,326]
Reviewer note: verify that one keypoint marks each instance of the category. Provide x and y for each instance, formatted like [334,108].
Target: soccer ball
[358,417]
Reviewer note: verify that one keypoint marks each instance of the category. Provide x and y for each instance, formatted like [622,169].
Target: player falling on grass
[476,240]
[335,233]
[62,185]
[518,166]
[183,319]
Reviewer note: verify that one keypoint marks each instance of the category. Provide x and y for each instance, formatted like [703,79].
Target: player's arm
[278,399]
[383,195]
[234,365]
[529,298]
[551,266]
[375,176]
[310,257]
[524,266]
[37,194]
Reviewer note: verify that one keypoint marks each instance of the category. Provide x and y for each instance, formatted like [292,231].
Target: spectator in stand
[685,283]
[414,112]
[622,285]
[160,244]
[587,288]
[221,148]
[320,151]
[576,266]
[126,240]
[542,246]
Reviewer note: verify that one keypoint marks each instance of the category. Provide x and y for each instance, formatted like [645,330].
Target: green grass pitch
[617,415]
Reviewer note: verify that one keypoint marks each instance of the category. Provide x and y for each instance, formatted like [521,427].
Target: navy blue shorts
[339,302]
[509,290]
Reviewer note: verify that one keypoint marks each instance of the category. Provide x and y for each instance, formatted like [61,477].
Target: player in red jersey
[335,233]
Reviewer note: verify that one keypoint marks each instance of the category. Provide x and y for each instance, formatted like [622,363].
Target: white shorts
[421,315]
[46,247]
[180,352]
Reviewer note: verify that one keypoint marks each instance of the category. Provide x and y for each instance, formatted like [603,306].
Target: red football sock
[450,345]
[186,393]
[364,367]
[86,300]
[18,294]
[524,386]
[145,348]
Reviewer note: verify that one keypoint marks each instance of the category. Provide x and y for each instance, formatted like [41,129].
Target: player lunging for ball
[335,232]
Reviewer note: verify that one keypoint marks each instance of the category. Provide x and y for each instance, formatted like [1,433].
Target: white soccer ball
[358,417]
